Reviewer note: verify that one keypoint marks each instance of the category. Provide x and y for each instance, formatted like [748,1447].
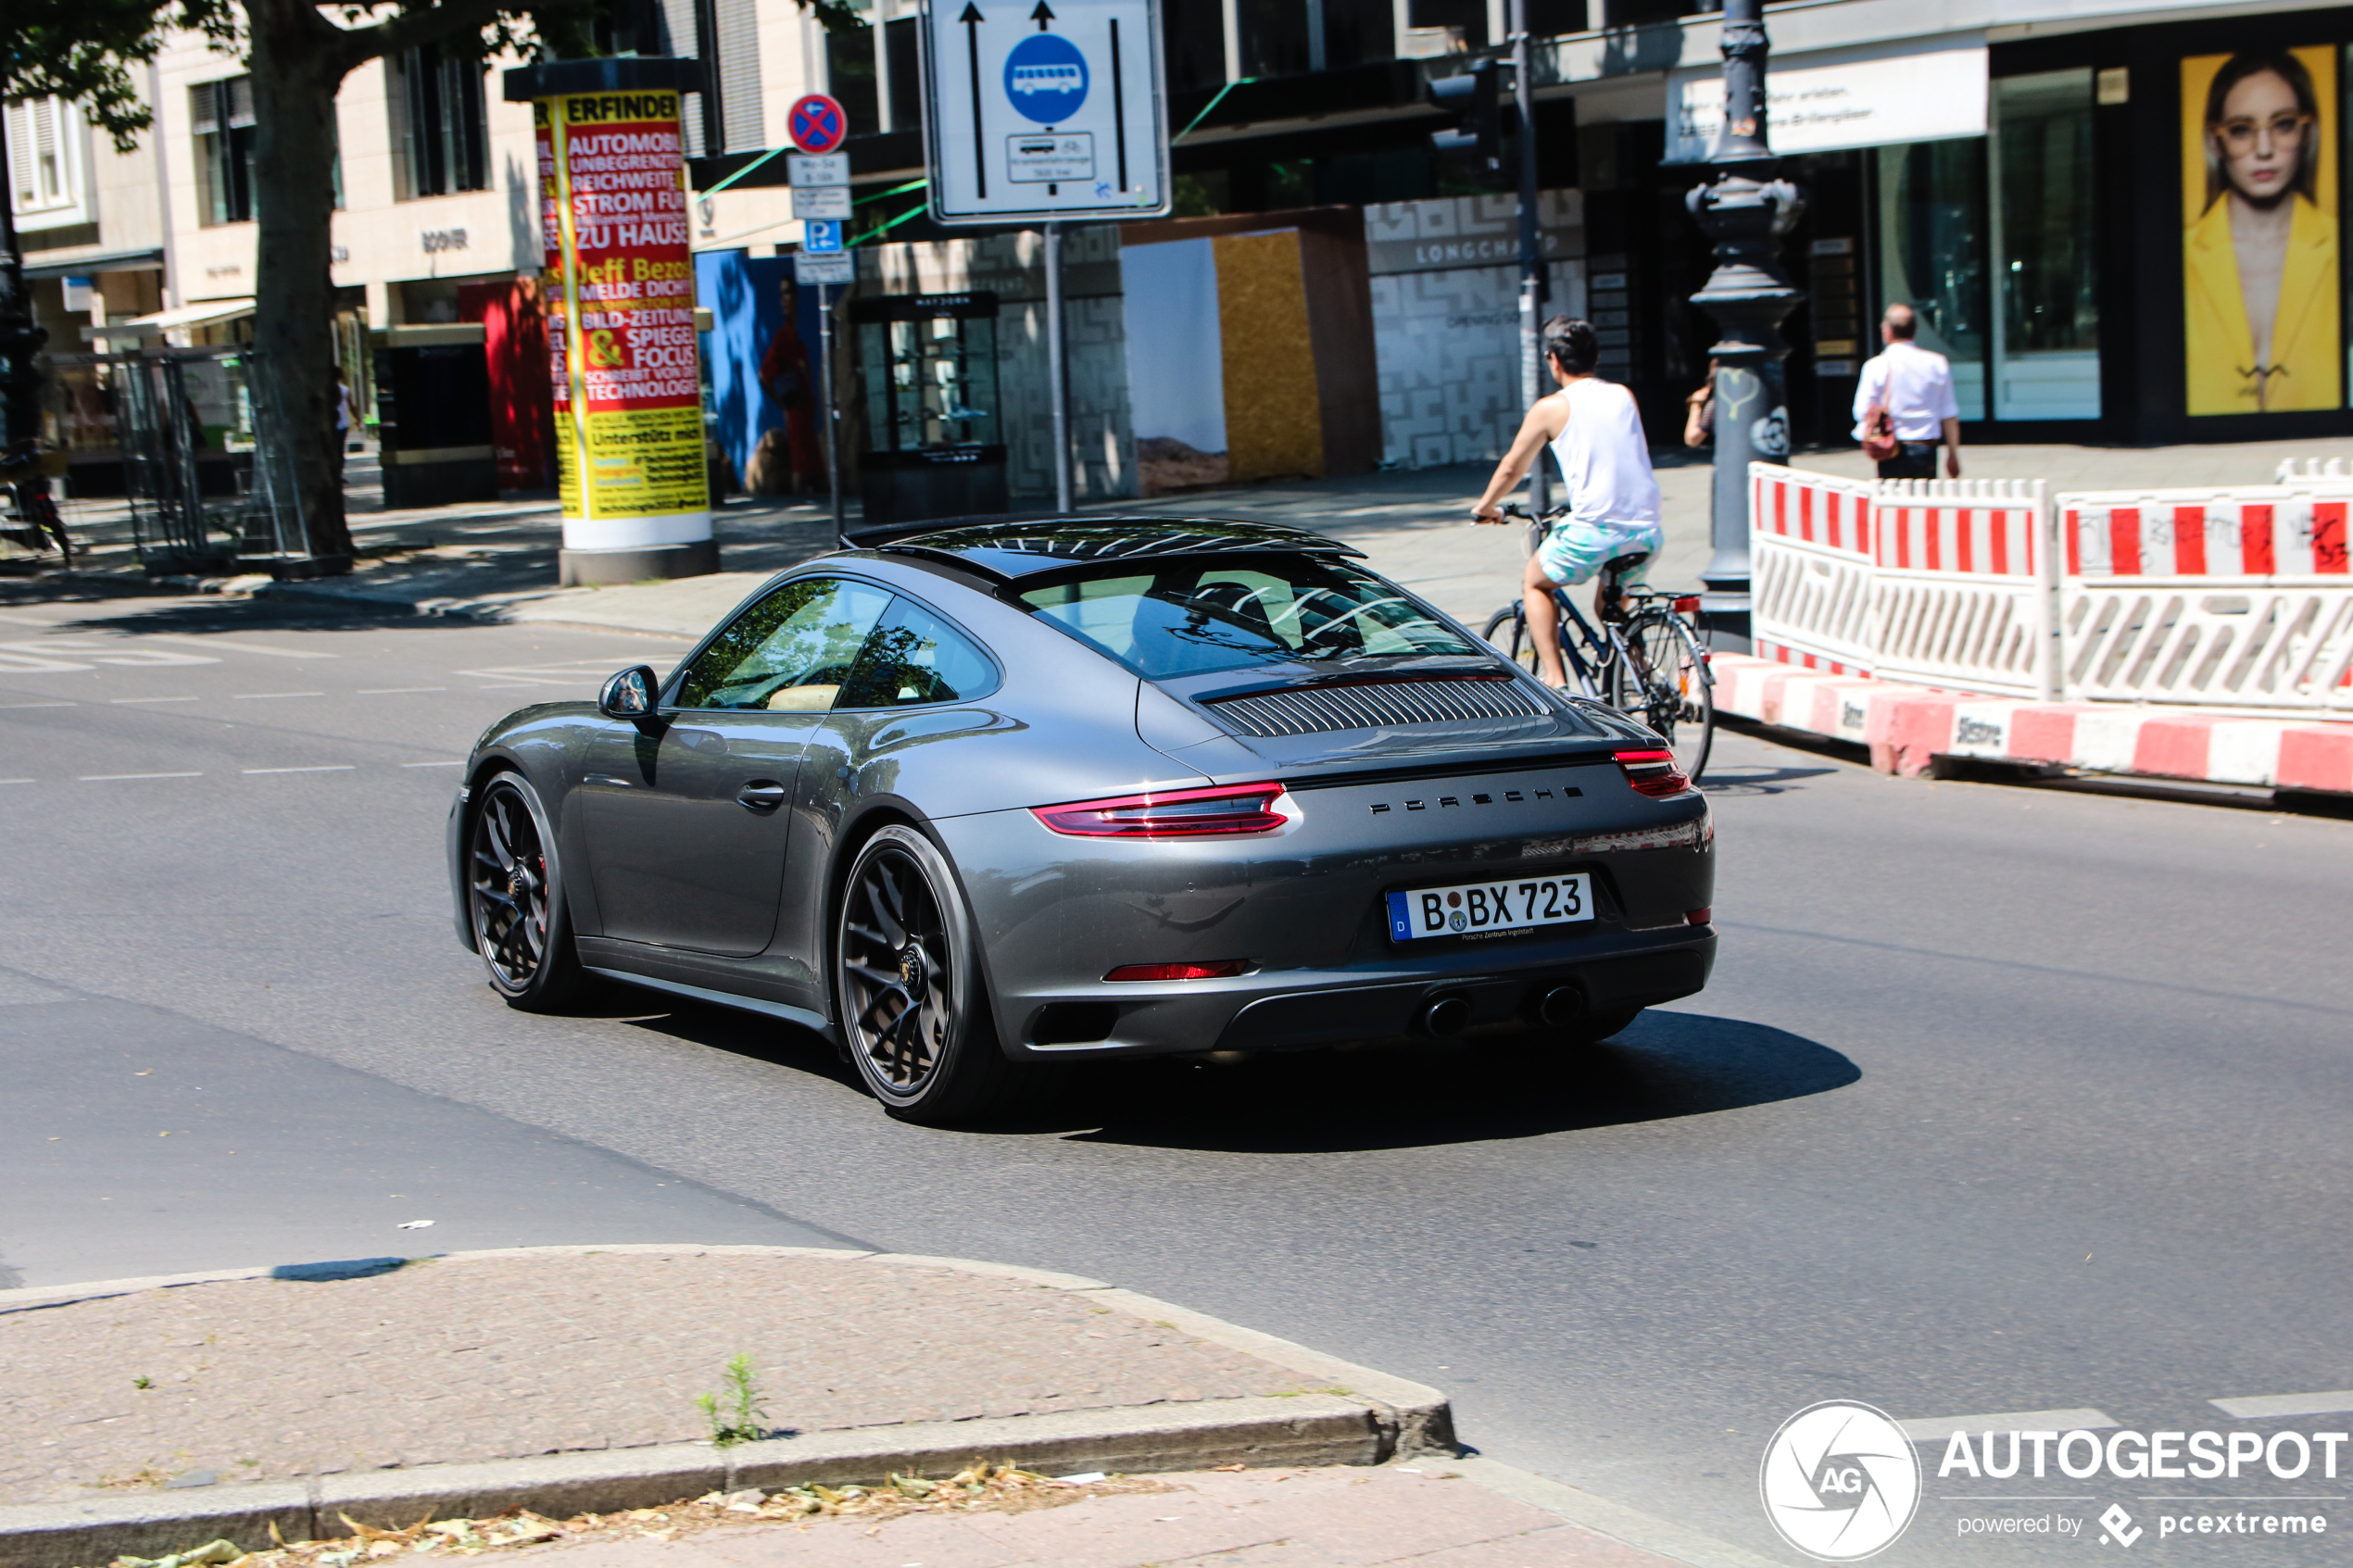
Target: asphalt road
[2002,1100]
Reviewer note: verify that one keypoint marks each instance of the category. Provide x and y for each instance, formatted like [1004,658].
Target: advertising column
[623,354]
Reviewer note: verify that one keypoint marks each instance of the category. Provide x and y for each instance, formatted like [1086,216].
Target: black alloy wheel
[912,1009]
[521,926]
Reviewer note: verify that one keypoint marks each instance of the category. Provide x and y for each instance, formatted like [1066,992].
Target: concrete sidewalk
[1428,1513]
[153,1415]
[496,561]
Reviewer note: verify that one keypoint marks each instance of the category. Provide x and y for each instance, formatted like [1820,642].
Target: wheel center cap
[911,965]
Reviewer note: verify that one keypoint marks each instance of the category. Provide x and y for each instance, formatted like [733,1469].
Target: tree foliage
[82,50]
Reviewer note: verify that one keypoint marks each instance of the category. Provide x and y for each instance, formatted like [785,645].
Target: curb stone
[1363,1417]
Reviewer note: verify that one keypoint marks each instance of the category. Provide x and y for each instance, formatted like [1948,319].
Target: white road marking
[452,762]
[133,699]
[257,696]
[397,691]
[235,647]
[2260,1406]
[108,778]
[17,781]
[3,705]
[1940,1428]
[326,768]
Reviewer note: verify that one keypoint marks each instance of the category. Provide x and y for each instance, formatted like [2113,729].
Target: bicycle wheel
[1668,688]
[1507,629]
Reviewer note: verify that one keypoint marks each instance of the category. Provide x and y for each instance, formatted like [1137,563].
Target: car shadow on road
[1754,778]
[1667,1065]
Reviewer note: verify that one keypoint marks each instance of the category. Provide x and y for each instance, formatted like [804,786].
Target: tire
[908,993]
[515,899]
[1676,697]
[1507,630]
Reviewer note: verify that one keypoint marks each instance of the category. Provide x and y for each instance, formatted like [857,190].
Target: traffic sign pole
[833,415]
[1057,368]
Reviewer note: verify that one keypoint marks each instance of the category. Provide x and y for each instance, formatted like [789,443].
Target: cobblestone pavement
[1335,1518]
[460,1360]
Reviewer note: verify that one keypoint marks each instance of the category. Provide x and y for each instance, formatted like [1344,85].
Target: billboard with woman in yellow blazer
[2259,250]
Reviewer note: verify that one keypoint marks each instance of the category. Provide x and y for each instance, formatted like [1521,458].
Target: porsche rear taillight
[1653,772]
[1172,813]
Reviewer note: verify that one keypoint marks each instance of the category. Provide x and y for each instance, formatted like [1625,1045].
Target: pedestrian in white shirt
[1913,386]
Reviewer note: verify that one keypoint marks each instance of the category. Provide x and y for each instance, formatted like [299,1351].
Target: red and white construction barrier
[1907,726]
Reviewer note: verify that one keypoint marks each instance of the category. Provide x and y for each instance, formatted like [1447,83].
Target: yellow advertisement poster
[626,364]
[2261,266]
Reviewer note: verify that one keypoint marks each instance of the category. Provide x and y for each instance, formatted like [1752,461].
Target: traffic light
[1472,97]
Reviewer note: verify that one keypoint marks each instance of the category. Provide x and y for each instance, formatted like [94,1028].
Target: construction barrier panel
[2236,600]
[1810,568]
[2239,599]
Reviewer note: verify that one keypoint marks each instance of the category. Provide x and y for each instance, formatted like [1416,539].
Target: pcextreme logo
[1840,1481]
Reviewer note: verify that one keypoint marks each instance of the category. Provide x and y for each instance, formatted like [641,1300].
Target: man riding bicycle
[1611,528]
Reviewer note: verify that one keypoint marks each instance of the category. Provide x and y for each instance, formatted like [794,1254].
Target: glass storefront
[1986,238]
[1931,252]
[2045,311]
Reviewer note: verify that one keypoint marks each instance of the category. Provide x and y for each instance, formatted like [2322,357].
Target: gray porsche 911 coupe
[1014,793]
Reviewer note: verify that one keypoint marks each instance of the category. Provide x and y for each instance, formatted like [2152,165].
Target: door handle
[760,795]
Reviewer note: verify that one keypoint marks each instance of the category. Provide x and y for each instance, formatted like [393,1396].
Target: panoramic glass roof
[1024,549]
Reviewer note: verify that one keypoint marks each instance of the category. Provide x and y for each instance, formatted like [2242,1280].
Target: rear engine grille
[1317,710]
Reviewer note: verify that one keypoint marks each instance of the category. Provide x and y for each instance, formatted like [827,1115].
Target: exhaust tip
[1561,1006]
[1445,1016]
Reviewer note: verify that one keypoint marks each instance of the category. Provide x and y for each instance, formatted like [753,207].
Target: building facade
[2121,220]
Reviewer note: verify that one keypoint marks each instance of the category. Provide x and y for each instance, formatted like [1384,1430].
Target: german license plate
[1515,905]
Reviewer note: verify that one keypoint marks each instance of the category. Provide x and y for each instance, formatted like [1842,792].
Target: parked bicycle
[1643,654]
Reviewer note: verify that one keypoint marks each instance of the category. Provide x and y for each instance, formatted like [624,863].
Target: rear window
[1193,617]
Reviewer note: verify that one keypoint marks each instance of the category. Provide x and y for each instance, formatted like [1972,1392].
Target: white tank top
[1603,456]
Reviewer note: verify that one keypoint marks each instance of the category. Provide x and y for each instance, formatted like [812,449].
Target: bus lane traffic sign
[1057,111]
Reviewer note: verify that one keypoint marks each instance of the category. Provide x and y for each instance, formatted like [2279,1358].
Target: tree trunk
[296,68]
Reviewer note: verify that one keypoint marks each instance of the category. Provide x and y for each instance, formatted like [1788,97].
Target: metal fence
[185,437]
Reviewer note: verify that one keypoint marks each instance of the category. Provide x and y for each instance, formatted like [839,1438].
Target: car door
[913,685]
[686,812]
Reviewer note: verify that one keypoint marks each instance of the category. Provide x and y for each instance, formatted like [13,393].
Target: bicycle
[1645,658]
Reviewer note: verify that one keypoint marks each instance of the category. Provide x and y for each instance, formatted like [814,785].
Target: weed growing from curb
[741,1421]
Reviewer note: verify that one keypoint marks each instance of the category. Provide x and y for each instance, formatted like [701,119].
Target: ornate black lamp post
[1746,212]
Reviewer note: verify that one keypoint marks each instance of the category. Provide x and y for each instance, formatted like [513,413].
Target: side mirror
[629,695]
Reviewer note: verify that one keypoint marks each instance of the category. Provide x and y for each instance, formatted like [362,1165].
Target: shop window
[1274,34]
[1464,20]
[1358,32]
[1932,253]
[221,118]
[906,75]
[441,122]
[849,77]
[43,138]
[2045,317]
[1193,37]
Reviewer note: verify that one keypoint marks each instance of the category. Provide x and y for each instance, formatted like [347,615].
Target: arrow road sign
[1054,112]
[819,235]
